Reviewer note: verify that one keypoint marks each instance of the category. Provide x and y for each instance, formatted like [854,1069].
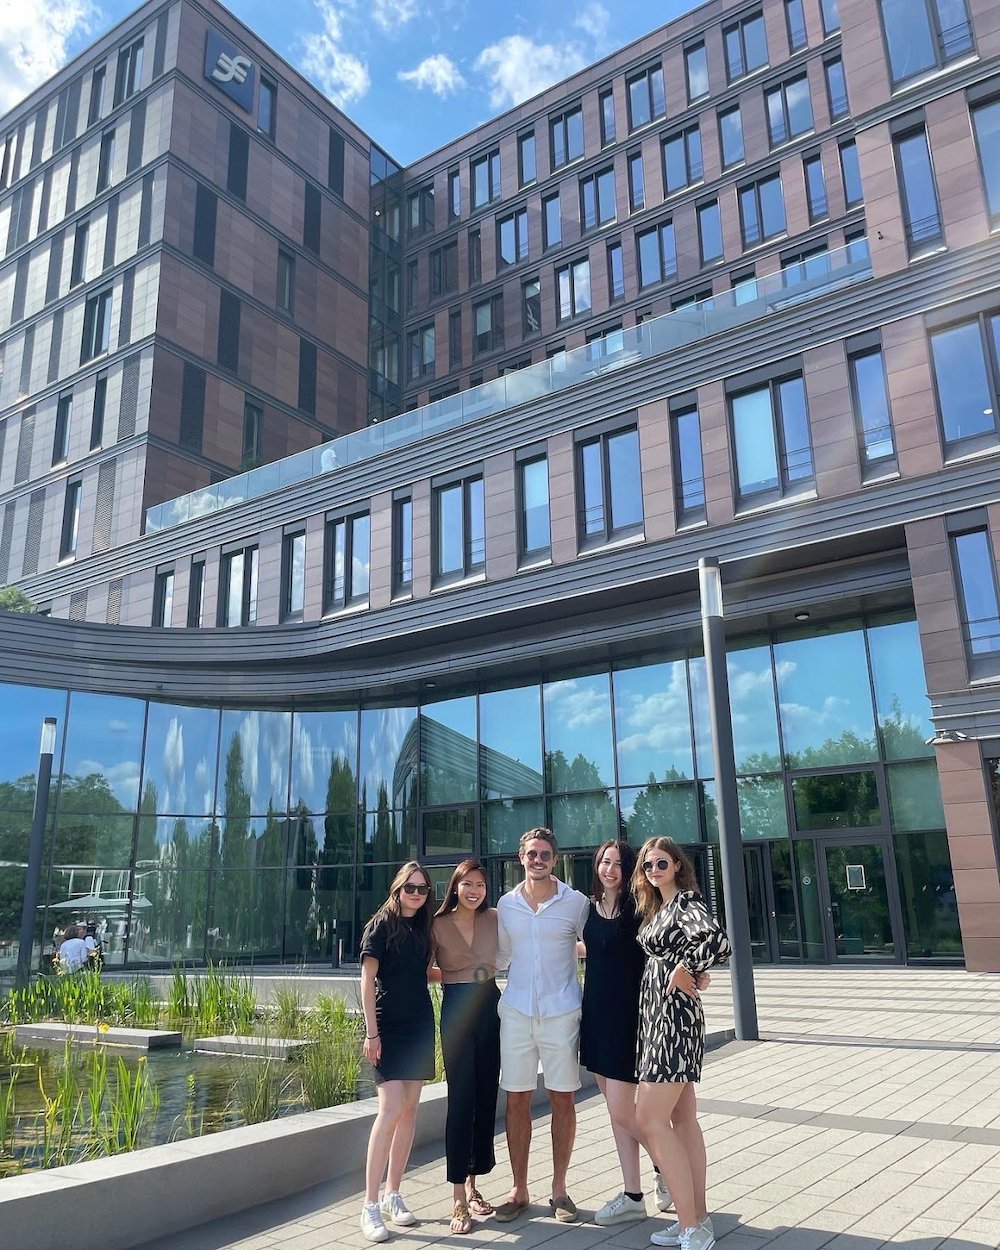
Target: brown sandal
[461,1221]
[478,1204]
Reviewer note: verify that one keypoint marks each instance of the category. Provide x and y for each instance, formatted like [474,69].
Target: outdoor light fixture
[943,737]
[802,614]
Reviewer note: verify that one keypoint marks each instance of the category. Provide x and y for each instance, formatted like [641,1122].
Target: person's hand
[703,980]
[373,1050]
[681,979]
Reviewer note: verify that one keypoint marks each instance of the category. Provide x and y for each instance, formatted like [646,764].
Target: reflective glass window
[771,435]
[986,124]
[607,101]
[973,559]
[180,841]
[927,895]
[448,751]
[246,914]
[795,19]
[918,190]
[836,88]
[754,715]
[319,913]
[682,163]
[525,159]
[873,419]
[836,801]
[324,761]
[696,72]
[789,110]
[659,811]
[253,767]
[915,795]
[253,842]
[182,744]
[762,807]
[815,186]
[583,819]
[710,232]
[807,884]
[20,737]
[324,839]
[95,838]
[504,822]
[646,99]
[510,736]
[389,754]
[578,749]
[746,46]
[390,837]
[450,832]
[920,37]
[103,748]
[535,537]
[653,723]
[689,476]
[965,399]
[171,927]
[731,133]
[851,170]
[610,486]
[900,690]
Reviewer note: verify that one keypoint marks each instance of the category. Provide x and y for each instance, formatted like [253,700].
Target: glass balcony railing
[748,302]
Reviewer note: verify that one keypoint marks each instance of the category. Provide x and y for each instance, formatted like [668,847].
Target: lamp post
[35,848]
[734,878]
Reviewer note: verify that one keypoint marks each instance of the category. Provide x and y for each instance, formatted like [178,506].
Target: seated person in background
[73,953]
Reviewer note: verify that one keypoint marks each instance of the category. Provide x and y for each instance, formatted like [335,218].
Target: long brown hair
[463,870]
[392,915]
[647,898]
[627,857]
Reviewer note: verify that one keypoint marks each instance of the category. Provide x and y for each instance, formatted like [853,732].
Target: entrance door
[759,905]
[860,893]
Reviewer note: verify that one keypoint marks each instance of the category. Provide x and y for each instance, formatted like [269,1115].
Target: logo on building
[230,70]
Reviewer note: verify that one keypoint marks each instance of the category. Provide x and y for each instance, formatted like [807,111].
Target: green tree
[13,599]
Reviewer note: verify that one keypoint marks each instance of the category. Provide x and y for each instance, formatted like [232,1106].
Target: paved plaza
[869,1116]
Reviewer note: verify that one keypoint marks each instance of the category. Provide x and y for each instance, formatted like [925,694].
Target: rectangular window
[336,162]
[597,200]
[267,108]
[71,520]
[689,474]
[789,110]
[531,307]
[657,252]
[485,178]
[512,238]
[802,265]
[710,232]
[286,281]
[795,22]
[163,599]
[420,353]
[610,487]
[851,171]
[402,546]
[196,595]
[475,256]
[917,190]
[444,270]
[607,104]
[487,322]
[228,345]
[636,183]
[696,72]
[762,210]
[455,338]
[238,587]
[746,46]
[348,562]
[573,289]
[830,15]
[454,195]
[646,98]
[95,110]
[972,556]
[771,440]
[872,418]
[420,212]
[836,88]
[60,440]
[105,161]
[238,162]
[682,163]
[312,218]
[534,537]
[412,285]
[923,35]
[566,136]
[551,221]
[616,271]
[968,395]
[307,376]
[745,286]
[812,168]
[253,417]
[96,326]
[526,158]
[129,75]
[459,530]
[731,136]
[293,575]
[986,125]
[78,265]
[205,215]
[100,407]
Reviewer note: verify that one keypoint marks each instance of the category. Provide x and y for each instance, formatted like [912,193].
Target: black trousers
[470,1044]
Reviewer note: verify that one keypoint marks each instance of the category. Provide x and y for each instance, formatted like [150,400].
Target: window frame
[720,115]
[163,598]
[689,51]
[463,481]
[700,208]
[527,330]
[665,274]
[964,525]
[496,331]
[128,74]
[547,201]
[685,515]
[614,295]
[517,220]
[936,34]
[267,119]
[787,487]
[105,160]
[523,140]
[780,92]
[863,348]
[956,448]
[817,211]
[653,100]
[601,435]
[491,162]
[609,133]
[570,268]
[98,314]
[417,364]
[524,459]
[740,27]
[249,588]
[595,184]
[69,532]
[977,106]
[755,187]
[636,185]
[253,425]
[837,101]
[61,432]
[98,413]
[402,507]
[795,44]
[922,243]
[285,297]
[195,617]
[694,169]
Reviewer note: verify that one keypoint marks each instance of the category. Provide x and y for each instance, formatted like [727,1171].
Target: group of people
[80,948]
[637,1024]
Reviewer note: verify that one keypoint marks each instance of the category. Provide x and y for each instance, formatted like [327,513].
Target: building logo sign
[229,70]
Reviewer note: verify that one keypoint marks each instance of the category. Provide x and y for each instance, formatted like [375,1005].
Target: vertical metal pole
[36,846]
[734,879]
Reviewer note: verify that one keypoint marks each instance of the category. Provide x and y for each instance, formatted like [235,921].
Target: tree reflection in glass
[578,748]
[389,755]
[900,690]
[660,812]
[182,745]
[254,767]
[22,710]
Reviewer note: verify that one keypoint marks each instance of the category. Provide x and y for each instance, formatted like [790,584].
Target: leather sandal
[478,1204]
[461,1221]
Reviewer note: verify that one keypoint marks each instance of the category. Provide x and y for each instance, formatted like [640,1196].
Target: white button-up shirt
[540,947]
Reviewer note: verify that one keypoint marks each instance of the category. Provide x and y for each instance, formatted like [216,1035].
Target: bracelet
[371,1038]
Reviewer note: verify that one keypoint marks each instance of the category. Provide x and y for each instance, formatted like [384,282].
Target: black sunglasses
[410,888]
[661,865]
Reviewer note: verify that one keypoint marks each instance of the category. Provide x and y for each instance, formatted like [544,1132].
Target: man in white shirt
[73,952]
[540,922]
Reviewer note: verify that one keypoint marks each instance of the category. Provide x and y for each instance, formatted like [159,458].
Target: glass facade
[192,833]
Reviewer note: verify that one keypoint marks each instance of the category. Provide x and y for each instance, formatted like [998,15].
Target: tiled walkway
[874,1120]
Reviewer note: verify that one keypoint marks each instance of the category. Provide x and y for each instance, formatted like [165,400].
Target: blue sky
[413,73]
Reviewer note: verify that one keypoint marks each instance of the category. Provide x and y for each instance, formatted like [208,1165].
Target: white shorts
[526,1040]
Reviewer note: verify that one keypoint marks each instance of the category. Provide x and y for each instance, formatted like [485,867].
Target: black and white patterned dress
[671,1042]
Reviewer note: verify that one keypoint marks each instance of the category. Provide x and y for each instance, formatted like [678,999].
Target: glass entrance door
[760,910]
[859,894]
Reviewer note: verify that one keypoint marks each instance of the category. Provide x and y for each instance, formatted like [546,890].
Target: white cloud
[516,67]
[594,20]
[437,73]
[340,75]
[33,42]
[391,14]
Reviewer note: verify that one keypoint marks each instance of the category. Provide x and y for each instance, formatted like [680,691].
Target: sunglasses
[659,865]
[544,856]
[410,888]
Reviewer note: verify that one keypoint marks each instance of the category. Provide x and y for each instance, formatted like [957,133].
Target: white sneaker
[371,1223]
[700,1238]
[396,1209]
[672,1236]
[620,1210]
[664,1202]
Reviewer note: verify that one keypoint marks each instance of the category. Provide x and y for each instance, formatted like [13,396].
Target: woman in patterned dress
[681,939]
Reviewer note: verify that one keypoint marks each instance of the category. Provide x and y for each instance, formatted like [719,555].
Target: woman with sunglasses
[399,1038]
[681,939]
[464,933]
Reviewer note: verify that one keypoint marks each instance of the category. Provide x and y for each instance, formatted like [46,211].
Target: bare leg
[402,1138]
[654,1106]
[685,1122]
[563,1104]
[390,1104]
[518,1126]
[620,1097]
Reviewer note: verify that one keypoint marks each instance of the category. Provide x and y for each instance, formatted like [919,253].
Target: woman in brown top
[464,934]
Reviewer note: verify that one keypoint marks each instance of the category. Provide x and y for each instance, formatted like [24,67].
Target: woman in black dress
[681,939]
[399,1038]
